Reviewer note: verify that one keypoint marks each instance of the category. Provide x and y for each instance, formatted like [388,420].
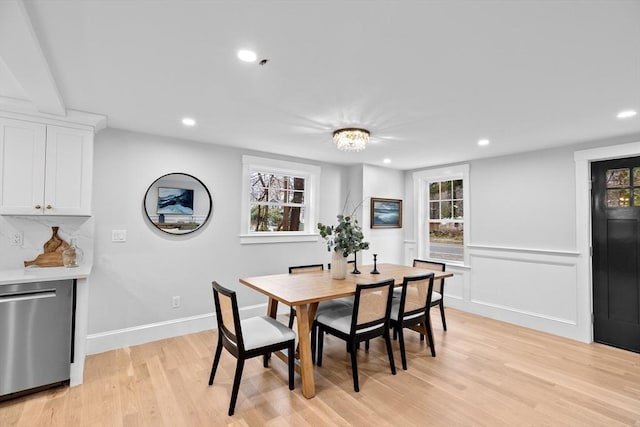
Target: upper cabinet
[45,169]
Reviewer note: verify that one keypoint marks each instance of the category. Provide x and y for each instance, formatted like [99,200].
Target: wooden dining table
[305,291]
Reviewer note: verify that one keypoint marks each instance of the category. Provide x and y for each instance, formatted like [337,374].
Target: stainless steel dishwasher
[35,335]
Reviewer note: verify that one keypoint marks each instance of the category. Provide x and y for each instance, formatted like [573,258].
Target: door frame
[583,159]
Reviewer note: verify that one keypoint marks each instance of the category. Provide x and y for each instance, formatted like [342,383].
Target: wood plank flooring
[486,373]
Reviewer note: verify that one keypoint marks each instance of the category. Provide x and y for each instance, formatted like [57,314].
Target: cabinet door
[22,166]
[69,171]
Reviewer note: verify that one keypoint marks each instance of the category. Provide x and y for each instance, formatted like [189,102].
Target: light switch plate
[119,236]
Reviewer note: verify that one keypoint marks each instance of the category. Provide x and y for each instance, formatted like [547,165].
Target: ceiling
[427,78]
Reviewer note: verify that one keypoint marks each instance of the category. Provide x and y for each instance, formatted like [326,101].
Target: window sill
[281,237]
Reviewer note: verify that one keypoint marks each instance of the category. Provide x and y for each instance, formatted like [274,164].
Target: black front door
[616,252]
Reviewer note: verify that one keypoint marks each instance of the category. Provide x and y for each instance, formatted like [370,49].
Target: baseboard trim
[118,338]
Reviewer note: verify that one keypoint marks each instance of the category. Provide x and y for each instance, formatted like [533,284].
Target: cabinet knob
[38,207]
[49,207]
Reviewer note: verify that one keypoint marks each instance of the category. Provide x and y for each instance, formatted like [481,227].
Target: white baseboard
[111,340]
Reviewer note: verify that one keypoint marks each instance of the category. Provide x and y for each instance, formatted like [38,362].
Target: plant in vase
[345,238]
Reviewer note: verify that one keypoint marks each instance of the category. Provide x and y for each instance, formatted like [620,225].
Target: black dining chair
[412,309]
[247,338]
[438,285]
[322,307]
[369,318]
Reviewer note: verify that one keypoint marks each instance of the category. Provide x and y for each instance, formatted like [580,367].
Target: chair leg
[314,341]
[292,314]
[236,386]
[444,322]
[320,343]
[403,354]
[354,367]
[292,363]
[265,359]
[430,336]
[216,359]
[366,345]
[387,339]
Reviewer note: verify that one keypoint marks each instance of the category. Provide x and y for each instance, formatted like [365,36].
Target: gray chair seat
[263,331]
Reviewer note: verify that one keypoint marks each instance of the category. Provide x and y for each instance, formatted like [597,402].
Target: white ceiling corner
[427,79]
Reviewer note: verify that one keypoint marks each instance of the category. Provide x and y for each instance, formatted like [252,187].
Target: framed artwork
[386,213]
[177,201]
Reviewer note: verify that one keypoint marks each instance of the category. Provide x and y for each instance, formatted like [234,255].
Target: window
[279,201]
[276,202]
[622,191]
[442,196]
[446,220]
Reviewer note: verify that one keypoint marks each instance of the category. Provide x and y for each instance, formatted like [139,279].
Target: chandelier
[351,139]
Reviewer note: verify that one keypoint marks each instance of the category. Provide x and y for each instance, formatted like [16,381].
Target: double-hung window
[279,201]
[443,203]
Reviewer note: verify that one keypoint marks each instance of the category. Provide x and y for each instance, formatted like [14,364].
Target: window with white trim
[279,200]
[443,204]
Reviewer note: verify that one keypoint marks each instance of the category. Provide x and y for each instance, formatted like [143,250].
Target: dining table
[305,291]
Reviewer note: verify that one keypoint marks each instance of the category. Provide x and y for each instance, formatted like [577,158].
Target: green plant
[346,236]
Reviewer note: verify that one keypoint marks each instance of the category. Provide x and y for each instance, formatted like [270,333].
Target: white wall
[525,265]
[387,243]
[132,283]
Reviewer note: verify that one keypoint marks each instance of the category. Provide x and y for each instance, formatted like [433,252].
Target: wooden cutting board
[52,252]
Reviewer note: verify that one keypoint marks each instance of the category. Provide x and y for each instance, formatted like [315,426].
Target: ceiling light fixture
[187,121]
[626,114]
[386,161]
[247,55]
[483,142]
[351,139]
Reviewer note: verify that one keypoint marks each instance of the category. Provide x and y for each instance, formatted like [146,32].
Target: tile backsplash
[36,231]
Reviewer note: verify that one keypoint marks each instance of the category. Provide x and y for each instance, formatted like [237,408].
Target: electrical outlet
[16,238]
[175,302]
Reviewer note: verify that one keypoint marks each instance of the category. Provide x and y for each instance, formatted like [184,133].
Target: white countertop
[43,274]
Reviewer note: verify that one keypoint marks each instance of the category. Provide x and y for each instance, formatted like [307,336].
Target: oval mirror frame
[178,203]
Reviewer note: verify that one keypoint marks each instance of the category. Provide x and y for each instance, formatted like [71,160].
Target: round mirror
[177,203]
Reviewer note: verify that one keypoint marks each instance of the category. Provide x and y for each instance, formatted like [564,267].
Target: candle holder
[355,263]
[375,268]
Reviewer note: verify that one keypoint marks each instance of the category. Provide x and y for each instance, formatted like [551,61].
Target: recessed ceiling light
[483,142]
[188,121]
[247,55]
[386,161]
[626,114]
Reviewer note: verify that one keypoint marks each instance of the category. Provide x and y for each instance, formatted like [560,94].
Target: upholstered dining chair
[438,285]
[298,270]
[369,318]
[412,309]
[322,307]
[247,338]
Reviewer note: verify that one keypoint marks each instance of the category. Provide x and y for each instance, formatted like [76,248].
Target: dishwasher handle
[27,295]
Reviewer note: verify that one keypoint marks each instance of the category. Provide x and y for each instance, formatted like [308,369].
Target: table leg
[272,308]
[304,348]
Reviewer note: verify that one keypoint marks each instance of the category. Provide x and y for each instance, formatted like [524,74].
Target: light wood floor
[486,373]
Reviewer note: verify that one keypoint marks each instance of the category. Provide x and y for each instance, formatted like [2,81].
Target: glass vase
[72,256]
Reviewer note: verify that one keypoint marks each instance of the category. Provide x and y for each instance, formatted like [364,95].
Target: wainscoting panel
[535,288]
[542,288]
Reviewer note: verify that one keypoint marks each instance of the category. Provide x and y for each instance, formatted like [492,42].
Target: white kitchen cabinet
[45,169]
